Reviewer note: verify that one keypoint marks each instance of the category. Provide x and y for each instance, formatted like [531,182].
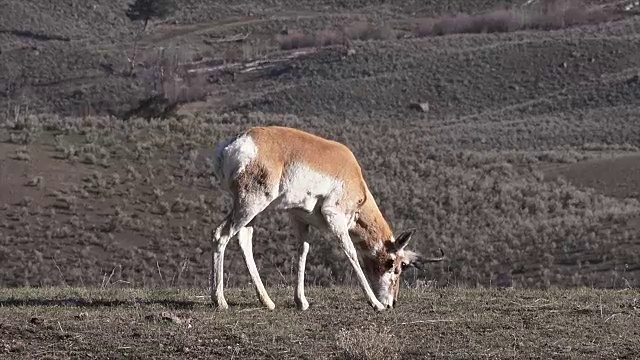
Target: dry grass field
[451,323]
[506,132]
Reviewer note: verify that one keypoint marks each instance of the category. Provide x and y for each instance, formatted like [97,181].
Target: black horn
[434,259]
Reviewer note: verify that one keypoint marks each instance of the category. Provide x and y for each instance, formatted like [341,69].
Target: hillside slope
[524,164]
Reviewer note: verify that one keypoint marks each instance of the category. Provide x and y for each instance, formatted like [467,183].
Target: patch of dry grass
[357,31]
[552,15]
[448,323]
[542,15]
[370,342]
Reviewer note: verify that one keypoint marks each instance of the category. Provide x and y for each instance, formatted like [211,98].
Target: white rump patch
[232,156]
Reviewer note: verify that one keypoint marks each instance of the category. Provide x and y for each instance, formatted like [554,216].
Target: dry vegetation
[129,200]
[522,165]
[447,323]
[53,64]
[541,15]
[358,31]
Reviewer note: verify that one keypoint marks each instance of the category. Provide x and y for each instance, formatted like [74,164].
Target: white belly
[313,218]
[303,190]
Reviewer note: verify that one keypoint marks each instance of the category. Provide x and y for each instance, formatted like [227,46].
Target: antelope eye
[404,265]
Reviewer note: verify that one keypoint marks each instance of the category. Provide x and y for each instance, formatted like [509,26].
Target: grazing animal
[319,183]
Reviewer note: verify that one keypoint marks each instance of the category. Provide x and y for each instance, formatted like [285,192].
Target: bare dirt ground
[449,323]
[617,176]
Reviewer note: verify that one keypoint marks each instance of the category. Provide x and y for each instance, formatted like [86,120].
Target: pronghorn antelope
[319,183]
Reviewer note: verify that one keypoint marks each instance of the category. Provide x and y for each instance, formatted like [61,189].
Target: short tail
[217,161]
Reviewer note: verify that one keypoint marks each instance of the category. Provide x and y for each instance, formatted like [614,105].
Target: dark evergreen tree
[146,10]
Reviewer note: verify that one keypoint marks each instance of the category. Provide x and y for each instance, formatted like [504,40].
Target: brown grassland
[450,323]
[506,133]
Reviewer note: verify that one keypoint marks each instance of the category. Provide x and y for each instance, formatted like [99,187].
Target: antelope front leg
[302,231]
[350,250]
[338,224]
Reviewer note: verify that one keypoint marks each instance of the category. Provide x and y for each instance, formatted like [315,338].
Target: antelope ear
[403,239]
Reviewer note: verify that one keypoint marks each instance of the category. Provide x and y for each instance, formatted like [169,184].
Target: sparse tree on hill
[146,10]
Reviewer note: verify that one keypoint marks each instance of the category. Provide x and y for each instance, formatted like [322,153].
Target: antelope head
[384,269]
